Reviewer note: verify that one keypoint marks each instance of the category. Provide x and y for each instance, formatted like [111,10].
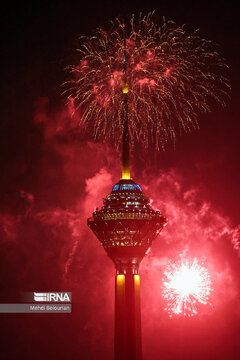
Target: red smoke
[47,246]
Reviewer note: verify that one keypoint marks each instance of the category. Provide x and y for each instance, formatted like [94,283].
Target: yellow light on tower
[120,280]
[126,174]
[137,279]
[124,87]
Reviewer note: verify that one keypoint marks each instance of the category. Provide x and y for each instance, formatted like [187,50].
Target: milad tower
[126,225]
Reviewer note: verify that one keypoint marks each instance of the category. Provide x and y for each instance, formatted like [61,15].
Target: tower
[126,225]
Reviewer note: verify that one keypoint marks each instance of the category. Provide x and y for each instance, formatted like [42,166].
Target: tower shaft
[128,341]
[125,135]
[125,143]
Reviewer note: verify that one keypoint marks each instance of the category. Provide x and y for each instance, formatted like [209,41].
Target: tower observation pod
[126,225]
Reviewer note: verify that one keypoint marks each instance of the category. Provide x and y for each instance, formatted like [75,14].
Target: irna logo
[52,297]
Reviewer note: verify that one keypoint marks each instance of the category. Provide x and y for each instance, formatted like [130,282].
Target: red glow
[152,82]
[168,72]
[103,100]
[146,81]
[149,54]
[112,82]
[45,230]
[130,43]
[138,66]
[116,78]
[95,87]
[84,63]
[117,75]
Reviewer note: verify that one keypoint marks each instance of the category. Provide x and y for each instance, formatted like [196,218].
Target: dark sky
[47,192]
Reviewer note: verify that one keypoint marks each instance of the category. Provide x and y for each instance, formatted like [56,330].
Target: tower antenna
[125,136]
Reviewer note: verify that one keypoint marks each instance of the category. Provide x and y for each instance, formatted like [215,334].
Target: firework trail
[169,75]
[186,285]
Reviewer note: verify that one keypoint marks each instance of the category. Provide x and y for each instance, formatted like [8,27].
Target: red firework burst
[169,75]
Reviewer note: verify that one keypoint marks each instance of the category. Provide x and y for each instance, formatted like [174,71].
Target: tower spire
[125,136]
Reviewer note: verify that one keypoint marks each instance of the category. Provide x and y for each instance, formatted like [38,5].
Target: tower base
[128,342]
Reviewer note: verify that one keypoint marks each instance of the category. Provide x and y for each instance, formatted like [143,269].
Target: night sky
[52,178]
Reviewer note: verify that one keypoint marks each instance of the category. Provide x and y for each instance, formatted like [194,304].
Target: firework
[186,285]
[170,77]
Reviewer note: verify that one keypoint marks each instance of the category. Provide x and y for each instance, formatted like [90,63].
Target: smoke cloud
[47,246]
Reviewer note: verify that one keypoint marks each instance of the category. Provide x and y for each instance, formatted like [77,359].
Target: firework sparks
[186,285]
[170,77]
